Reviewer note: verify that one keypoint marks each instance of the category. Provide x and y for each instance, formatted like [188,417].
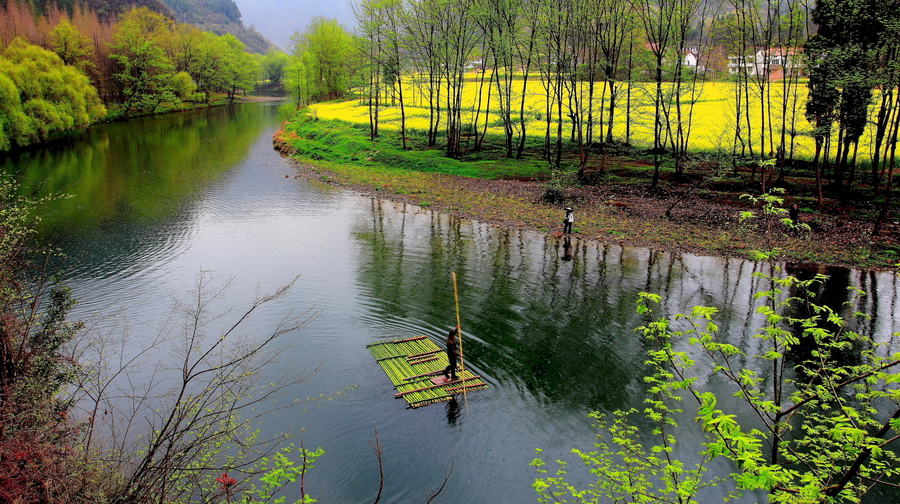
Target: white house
[690,59]
[764,60]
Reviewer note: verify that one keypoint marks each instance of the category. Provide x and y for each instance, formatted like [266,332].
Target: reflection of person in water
[567,249]
[452,411]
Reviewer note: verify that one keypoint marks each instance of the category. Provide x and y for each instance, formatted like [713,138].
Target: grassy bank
[616,209]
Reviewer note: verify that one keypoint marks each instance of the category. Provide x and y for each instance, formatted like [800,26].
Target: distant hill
[219,17]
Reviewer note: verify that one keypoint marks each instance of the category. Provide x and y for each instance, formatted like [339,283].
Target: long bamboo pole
[462,363]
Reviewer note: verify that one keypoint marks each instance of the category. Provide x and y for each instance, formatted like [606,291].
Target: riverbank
[219,100]
[622,212]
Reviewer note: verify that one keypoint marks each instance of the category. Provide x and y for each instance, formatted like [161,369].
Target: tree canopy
[319,69]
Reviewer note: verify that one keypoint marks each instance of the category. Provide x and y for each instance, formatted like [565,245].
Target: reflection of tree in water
[560,329]
[134,184]
[839,294]
[142,169]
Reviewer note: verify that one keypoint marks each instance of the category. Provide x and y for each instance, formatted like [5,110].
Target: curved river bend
[158,200]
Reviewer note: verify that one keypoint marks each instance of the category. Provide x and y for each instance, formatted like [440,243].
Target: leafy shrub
[555,187]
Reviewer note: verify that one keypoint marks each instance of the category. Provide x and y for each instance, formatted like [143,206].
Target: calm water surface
[156,201]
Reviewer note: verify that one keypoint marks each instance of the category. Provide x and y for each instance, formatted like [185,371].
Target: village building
[771,63]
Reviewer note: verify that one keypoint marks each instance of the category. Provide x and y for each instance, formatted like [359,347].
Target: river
[155,201]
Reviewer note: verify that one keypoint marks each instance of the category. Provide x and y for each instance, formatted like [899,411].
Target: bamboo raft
[411,363]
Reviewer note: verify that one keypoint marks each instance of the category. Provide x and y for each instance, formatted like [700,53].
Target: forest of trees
[140,62]
[602,63]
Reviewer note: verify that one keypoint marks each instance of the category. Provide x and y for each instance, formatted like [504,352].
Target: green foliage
[273,66]
[319,68]
[823,397]
[629,472]
[240,70]
[214,63]
[772,219]
[183,85]
[146,70]
[73,47]
[39,96]
[825,394]
[278,471]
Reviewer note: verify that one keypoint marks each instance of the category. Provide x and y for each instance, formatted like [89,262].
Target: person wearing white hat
[568,220]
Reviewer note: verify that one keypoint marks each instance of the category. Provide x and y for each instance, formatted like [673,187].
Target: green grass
[340,142]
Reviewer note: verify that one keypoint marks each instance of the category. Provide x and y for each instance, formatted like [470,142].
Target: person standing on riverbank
[568,220]
[452,354]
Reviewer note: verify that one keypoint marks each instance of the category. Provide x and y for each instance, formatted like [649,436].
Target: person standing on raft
[452,354]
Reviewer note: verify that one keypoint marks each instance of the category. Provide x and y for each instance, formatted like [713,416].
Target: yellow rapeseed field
[712,125]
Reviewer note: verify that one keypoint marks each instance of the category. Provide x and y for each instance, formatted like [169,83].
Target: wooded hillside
[216,16]
[104,8]
[219,17]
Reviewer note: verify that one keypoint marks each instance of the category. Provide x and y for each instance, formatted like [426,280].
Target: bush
[555,187]
[184,86]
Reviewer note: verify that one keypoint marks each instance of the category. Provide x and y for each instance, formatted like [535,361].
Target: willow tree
[618,21]
[794,26]
[581,70]
[379,43]
[456,32]
[39,96]
[421,24]
[553,22]
[689,24]
[393,14]
[369,41]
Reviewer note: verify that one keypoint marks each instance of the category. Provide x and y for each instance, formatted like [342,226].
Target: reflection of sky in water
[553,337]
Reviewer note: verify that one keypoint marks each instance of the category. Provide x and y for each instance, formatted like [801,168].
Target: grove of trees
[602,64]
